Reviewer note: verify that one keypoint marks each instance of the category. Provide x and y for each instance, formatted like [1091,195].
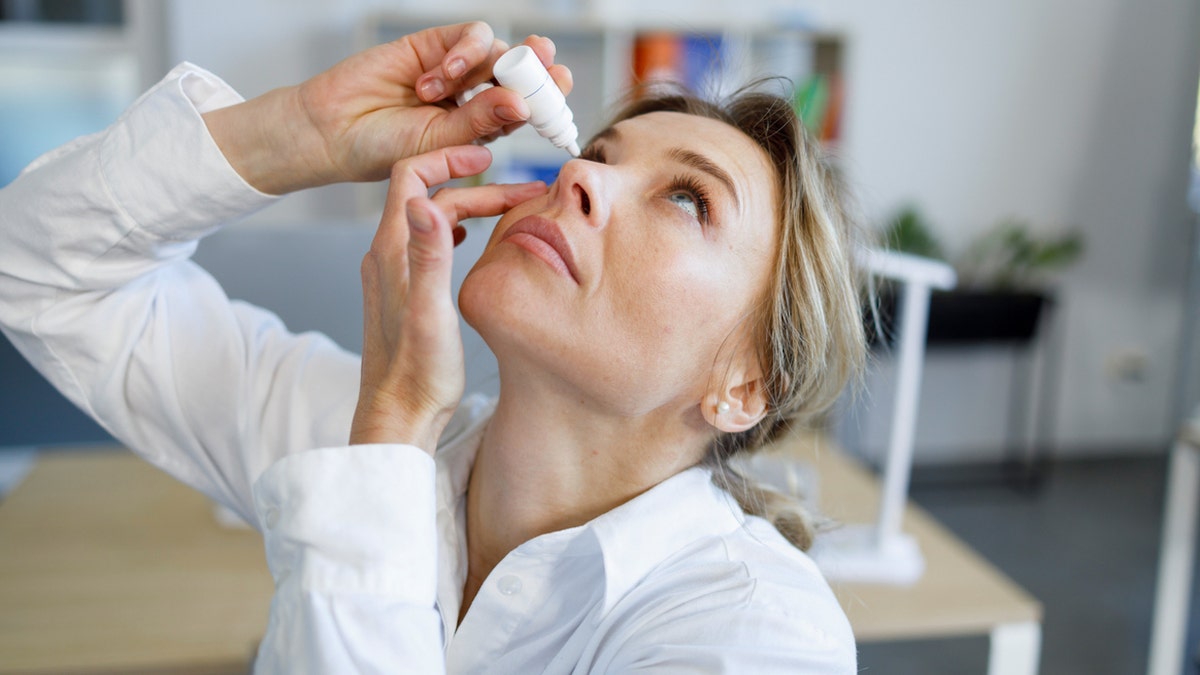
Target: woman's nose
[581,188]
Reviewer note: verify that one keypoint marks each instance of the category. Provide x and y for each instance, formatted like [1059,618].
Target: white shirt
[366,543]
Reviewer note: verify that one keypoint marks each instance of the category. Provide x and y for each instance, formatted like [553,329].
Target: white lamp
[880,552]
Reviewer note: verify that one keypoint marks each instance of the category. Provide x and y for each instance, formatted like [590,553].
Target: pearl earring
[722,407]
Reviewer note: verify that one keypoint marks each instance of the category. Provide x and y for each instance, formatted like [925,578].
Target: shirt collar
[637,536]
[633,538]
[454,458]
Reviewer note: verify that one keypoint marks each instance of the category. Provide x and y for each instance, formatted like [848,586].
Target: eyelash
[593,153]
[680,183]
[696,191]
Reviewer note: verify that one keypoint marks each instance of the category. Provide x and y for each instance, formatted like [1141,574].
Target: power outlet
[1129,364]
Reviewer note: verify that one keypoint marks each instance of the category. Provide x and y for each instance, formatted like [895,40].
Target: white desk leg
[1016,649]
[1175,562]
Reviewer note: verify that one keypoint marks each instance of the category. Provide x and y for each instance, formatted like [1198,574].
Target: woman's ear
[737,407]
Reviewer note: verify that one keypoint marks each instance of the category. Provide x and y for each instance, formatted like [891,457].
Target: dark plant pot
[969,316]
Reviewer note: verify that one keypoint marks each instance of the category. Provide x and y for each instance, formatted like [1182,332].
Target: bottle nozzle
[573,148]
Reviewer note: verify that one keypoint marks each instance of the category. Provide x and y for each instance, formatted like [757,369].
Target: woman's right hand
[354,121]
[412,368]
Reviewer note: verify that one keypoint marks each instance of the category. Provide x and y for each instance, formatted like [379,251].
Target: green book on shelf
[811,101]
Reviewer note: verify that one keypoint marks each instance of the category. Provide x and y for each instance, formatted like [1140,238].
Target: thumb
[486,115]
[430,256]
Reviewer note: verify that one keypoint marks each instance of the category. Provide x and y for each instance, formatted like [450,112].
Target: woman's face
[633,282]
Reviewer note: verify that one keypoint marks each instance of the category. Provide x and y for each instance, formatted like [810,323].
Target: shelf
[597,41]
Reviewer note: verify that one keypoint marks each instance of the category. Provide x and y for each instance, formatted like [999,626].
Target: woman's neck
[547,463]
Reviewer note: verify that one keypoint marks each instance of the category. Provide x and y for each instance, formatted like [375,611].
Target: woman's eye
[688,194]
[593,153]
[687,202]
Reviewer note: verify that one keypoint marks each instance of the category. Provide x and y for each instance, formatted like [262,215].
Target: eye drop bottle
[520,69]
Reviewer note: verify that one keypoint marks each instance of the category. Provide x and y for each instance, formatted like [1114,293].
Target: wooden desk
[959,594]
[107,565]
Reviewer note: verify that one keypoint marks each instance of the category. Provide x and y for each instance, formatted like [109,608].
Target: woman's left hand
[412,368]
[388,103]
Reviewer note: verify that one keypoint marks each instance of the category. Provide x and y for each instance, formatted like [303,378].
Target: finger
[485,200]
[448,53]
[544,47]
[546,50]
[485,115]
[475,42]
[504,131]
[412,178]
[430,258]
[563,78]
[477,75]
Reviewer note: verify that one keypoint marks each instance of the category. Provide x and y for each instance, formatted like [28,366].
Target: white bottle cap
[520,70]
[468,94]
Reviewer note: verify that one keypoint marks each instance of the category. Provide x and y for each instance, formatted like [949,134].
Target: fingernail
[419,220]
[508,114]
[432,88]
[456,67]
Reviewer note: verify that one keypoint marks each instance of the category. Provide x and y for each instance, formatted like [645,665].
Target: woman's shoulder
[760,563]
[748,599]
[694,544]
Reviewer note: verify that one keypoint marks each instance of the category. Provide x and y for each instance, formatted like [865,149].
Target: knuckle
[479,29]
[369,263]
[425,257]
[399,170]
[447,199]
[483,125]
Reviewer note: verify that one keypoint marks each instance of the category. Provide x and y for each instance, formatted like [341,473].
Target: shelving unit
[597,42]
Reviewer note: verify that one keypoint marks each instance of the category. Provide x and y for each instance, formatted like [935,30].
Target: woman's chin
[501,306]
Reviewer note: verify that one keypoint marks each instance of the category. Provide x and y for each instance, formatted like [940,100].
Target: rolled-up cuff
[163,167]
[358,519]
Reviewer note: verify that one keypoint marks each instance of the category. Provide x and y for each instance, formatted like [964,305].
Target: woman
[679,294]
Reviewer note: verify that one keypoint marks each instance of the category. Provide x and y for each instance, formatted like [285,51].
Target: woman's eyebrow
[706,165]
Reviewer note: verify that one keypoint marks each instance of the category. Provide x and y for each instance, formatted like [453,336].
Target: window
[67,68]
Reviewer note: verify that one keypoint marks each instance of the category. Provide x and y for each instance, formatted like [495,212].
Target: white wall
[1065,112]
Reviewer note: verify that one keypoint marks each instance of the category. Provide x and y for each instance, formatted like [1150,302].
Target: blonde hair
[809,328]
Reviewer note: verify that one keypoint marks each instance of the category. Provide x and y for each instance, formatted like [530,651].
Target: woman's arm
[356,120]
[96,291]
[350,532]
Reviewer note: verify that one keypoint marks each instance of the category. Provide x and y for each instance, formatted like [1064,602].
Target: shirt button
[272,517]
[509,584]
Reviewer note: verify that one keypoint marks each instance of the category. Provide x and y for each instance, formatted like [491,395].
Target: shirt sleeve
[96,290]
[355,569]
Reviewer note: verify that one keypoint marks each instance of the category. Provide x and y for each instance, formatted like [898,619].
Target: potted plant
[1004,279]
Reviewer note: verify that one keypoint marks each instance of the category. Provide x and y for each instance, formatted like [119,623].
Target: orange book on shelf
[831,126]
[657,56]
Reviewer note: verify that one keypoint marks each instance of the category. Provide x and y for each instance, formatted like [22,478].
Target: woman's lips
[543,238]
